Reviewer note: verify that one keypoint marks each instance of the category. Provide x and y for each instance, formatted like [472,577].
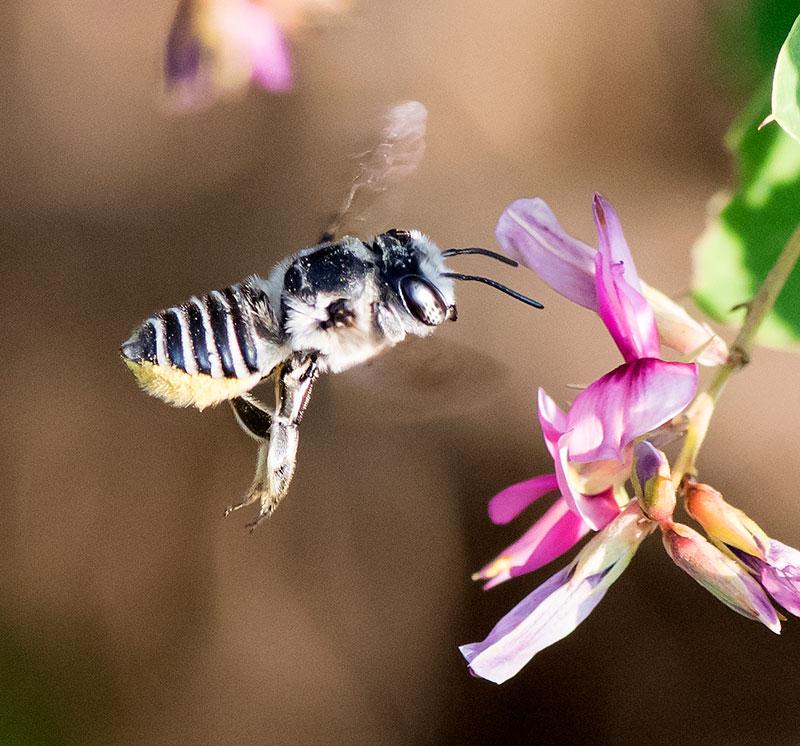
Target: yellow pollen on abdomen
[181,389]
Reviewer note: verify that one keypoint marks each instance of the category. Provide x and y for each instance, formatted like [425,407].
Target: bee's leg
[256,421]
[252,416]
[293,384]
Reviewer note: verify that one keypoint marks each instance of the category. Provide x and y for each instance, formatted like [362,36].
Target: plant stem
[700,410]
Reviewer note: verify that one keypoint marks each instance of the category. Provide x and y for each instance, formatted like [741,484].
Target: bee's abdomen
[216,336]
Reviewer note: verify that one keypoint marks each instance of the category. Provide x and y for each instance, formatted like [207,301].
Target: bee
[324,309]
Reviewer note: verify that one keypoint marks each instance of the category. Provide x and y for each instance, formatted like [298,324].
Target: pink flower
[591,444]
[217,47]
[559,605]
[554,533]
[594,443]
[642,394]
[529,232]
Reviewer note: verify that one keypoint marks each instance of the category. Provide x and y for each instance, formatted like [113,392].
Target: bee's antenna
[483,252]
[496,285]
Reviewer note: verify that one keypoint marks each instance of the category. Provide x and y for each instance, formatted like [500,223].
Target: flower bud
[776,565]
[652,482]
[719,574]
[724,523]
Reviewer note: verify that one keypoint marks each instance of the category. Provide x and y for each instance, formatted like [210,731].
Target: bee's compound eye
[422,300]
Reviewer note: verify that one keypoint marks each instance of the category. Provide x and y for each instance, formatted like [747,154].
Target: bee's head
[415,279]
[420,284]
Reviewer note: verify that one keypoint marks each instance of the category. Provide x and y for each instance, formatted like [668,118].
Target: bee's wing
[423,382]
[394,158]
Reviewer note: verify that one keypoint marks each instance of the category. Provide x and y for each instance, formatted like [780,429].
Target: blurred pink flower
[216,48]
[591,444]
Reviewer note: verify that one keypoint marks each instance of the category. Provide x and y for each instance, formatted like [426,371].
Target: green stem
[700,410]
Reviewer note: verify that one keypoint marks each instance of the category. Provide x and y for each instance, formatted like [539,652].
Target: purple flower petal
[560,604]
[780,575]
[182,60]
[501,655]
[557,531]
[620,303]
[652,482]
[612,239]
[626,314]
[779,572]
[649,463]
[631,400]
[505,506]
[529,232]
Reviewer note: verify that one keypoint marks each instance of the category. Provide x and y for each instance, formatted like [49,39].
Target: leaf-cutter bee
[323,309]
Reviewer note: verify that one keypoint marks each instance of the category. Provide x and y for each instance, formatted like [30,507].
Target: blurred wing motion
[423,383]
[396,156]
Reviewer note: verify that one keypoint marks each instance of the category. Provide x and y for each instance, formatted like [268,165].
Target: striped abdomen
[208,349]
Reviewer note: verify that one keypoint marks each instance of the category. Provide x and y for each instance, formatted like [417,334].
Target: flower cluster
[591,445]
[602,442]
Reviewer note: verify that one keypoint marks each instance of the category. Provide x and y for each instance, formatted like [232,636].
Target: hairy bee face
[412,270]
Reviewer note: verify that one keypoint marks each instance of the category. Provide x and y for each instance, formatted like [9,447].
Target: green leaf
[747,38]
[743,240]
[786,84]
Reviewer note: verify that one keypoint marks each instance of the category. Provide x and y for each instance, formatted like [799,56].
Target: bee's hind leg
[293,383]
[252,416]
[256,421]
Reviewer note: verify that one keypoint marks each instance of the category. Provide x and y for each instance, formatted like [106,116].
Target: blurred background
[130,611]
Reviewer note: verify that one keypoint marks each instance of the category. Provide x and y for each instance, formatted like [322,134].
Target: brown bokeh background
[130,611]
